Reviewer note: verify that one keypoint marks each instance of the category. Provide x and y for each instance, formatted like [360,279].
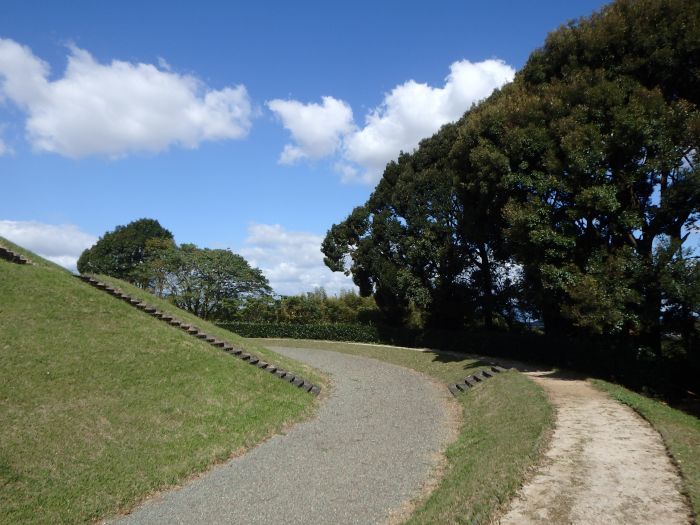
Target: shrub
[324,331]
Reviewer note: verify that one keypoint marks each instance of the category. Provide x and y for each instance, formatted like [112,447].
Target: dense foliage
[309,308]
[358,333]
[121,252]
[208,283]
[568,196]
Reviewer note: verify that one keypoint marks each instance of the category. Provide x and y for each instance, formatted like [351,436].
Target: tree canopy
[569,195]
[211,283]
[121,252]
[208,283]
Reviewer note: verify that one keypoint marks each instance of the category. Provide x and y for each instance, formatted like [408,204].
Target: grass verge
[506,421]
[248,345]
[680,432]
[101,405]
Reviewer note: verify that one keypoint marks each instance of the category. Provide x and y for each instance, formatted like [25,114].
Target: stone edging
[9,255]
[289,377]
[474,379]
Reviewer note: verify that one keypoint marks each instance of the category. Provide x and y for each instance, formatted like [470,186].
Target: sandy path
[605,464]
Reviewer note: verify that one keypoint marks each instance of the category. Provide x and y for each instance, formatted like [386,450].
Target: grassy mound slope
[101,404]
[505,423]
[36,260]
[248,344]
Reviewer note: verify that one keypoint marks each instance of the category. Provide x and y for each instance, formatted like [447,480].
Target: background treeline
[213,284]
[570,196]
[311,307]
[312,315]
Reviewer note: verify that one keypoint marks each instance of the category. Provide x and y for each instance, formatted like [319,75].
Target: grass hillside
[216,331]
[101,404]
[36,260]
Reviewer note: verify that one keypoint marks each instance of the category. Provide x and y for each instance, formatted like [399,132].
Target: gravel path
[374,446]
[605,465]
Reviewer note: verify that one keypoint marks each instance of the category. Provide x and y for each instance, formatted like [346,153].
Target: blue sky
[253,127]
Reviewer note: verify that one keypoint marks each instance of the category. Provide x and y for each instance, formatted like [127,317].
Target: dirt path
[605,464]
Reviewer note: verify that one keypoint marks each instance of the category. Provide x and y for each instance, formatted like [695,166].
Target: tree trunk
[650,314]
[486,286]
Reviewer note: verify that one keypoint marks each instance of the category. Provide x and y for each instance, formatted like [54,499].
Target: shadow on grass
[666,378]
[658,384]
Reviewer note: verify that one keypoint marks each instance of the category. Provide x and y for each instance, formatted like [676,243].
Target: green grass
[37,261]
[680,432]
[249,345]
[505,423]
[101,405]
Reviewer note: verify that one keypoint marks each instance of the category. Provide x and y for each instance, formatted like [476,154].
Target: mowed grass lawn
[680,432]
[506,421]
[101,405]
[249,345]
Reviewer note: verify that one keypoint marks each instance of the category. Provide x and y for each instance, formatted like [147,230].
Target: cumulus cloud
[409,112]
[60,243]
[5,148]
[316,128]
[292,261]
[348,172]
[413,111]
[117,108]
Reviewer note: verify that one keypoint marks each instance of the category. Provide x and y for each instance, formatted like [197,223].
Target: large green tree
[122,252]
[578,172]
[428,238]
[603,143]
[211,283]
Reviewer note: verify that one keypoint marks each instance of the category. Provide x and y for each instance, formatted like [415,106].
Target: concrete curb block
[471,381]
[297,381]
[13,257]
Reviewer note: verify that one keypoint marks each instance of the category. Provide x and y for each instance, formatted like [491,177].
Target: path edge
[684,481]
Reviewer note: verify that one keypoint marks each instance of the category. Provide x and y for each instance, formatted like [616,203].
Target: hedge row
[461,341]
[601,356]
[356,333]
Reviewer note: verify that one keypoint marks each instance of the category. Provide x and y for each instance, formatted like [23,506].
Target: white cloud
[315,128]
[413,111]
[117,108]
[409,113]
[348,172]
[60,243]
[164,65]
[5,148]
[292,261]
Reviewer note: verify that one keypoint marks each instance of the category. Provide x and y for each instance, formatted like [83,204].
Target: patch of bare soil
[605,464]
